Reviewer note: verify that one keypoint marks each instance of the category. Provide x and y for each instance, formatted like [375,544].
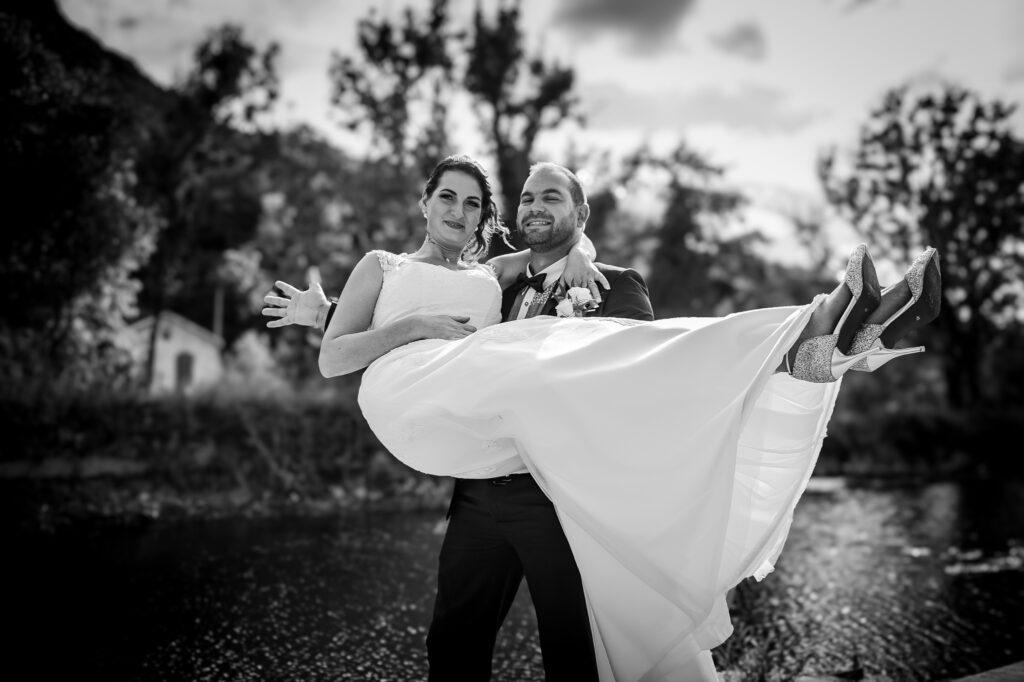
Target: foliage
[944,169]
[398,88]
[322,209]
[670,216]
[116,181]
[251,450]
[252,371]
[203,170]
[112,168]
[519,96]
[78,230]
[223,452]
[232,80]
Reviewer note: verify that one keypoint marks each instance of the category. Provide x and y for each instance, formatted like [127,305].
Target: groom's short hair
[579,197]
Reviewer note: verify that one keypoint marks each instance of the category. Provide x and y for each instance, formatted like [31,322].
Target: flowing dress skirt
[672,451]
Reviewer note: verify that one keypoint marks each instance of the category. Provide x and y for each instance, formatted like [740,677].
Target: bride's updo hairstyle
[490,223]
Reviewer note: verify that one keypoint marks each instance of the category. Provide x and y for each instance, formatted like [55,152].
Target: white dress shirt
[551,275]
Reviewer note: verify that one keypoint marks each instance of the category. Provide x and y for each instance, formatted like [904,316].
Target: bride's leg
[911,303]
[819,354]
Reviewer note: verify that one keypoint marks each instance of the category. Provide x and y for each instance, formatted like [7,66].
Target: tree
[519,96]
[398,87]
[695,262]
[75,230]
[203,171]
[307,221]
[944,169]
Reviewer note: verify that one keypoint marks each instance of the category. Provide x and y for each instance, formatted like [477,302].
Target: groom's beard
[559,234]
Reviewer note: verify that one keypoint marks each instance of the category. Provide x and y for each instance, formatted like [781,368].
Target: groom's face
[547,218]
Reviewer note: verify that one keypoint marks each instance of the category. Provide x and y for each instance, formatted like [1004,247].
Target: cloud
[743,40]
[644,21]
[1014,73]
[752,108]
[854,5]
[127,23]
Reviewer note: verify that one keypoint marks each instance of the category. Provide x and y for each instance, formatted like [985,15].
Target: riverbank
[62,490]
[127,458]
[34,497]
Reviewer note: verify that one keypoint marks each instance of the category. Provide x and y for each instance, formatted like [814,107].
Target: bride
[674,450]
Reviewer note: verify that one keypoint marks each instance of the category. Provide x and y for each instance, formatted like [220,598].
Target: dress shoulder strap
[388,261]
[486,268]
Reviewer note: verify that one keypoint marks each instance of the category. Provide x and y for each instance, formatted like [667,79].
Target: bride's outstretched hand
[306,308]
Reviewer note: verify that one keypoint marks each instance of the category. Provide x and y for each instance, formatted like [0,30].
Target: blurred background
[166,161]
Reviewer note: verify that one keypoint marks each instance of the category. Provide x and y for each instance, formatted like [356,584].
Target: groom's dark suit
[501,530]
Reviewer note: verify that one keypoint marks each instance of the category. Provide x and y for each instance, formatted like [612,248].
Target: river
[912,582]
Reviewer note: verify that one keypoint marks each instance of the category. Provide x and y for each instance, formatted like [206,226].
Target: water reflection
[913,583]
[868,584]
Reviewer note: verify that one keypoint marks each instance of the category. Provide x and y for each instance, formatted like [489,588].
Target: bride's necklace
[455,254]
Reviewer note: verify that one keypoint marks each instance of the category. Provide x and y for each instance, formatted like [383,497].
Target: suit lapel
[508,297]
[549,306]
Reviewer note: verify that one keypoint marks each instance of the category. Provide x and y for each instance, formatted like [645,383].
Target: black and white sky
[760,87]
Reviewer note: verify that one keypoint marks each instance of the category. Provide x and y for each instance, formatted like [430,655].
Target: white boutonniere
[577,302]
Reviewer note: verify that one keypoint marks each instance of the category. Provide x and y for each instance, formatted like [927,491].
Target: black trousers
[499,531]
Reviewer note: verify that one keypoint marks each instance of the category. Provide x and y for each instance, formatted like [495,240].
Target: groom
[503,529]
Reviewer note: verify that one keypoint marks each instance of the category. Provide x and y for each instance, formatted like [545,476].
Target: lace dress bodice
[411,287]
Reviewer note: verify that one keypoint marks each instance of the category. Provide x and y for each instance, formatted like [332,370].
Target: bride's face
[453,210]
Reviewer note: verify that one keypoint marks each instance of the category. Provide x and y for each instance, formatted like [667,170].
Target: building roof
[176,320]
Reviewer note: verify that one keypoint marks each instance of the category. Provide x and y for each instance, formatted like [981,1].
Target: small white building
[188,356]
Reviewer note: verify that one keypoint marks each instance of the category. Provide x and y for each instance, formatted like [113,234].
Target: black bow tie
[537,282]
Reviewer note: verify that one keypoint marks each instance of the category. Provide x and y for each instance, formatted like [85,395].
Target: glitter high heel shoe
[924,280]
[824,358]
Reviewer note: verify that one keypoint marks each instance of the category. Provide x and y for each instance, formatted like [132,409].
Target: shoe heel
[843,363]
[883,356]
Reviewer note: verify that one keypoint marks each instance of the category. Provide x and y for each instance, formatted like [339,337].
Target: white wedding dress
[672,451]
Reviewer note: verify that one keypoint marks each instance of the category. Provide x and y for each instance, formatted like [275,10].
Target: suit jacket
[627,297]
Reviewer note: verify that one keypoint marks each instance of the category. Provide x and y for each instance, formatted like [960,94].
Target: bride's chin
[455,242]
